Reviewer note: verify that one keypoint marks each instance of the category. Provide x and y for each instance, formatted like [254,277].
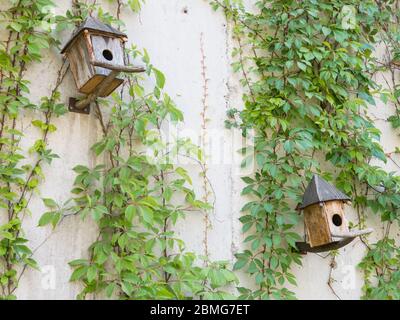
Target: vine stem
[204,167]
[22,202]
[330,281]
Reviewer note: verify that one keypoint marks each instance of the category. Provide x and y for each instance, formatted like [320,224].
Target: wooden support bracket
[304,247]
[83,106]
[72,107]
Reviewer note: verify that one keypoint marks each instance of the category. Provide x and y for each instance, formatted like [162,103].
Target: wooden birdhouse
[96,56]
[325,222]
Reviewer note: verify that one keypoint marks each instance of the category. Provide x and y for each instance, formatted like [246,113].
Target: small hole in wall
[185,10]
[107,54]
[337,220]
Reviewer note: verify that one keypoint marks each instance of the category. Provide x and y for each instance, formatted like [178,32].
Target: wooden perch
[353,233]
[114,67]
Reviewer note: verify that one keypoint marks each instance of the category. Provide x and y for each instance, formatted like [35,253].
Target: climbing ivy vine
[137,194]
[130,195]
[307,69]
[26,26]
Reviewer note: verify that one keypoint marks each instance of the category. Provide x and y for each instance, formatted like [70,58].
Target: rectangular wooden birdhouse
[324,218]
[94,41]
[96,56]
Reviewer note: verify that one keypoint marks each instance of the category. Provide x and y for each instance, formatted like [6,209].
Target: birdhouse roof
[318,190]
[93,24]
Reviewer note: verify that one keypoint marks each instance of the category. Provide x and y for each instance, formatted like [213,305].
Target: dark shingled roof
[318,191]
[93,24]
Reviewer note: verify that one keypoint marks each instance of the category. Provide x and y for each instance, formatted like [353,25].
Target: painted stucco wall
[178,35]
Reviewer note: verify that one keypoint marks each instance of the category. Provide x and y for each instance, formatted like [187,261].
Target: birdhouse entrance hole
[107,54]
[337,220]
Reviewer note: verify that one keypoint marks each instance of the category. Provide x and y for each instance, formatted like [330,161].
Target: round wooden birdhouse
[325,222]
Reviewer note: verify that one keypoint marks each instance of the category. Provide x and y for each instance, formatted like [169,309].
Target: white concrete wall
[172,32]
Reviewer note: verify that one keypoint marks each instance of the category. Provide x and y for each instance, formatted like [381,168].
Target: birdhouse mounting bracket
[72,107]
[83,106]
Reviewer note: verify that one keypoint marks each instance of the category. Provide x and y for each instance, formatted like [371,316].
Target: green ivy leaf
[46,218]
[160,78]
[130,212]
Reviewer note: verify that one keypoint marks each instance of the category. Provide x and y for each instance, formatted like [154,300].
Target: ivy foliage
[26,30]
[307,68]
[137,195]
[389,40]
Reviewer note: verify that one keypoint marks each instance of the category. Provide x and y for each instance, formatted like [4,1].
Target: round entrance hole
[107,54]
[337,220]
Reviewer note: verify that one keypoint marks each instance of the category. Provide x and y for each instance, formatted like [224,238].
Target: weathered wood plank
[101,87]
[89,45]
[107,50]
[317,225]
[78,57]
[332,208]
[92,83]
